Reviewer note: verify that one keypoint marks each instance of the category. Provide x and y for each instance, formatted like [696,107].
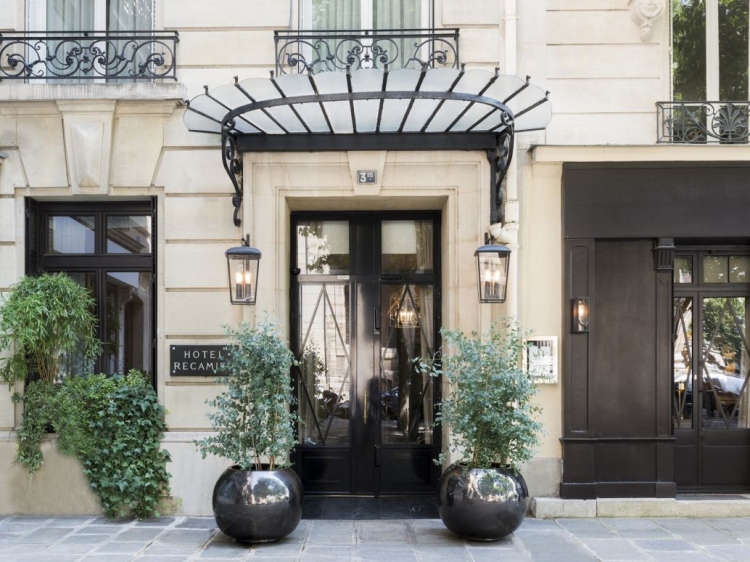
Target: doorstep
[688,505]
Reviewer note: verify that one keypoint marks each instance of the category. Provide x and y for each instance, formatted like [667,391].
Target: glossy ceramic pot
[254,506]
[481,504]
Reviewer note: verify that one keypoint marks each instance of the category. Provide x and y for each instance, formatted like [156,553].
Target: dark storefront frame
[621,444]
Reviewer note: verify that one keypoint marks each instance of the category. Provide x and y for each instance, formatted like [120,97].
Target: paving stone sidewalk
[94,539]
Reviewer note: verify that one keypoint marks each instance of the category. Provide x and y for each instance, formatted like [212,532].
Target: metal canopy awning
[372,109]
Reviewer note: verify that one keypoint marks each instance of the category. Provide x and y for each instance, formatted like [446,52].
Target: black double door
[711,398]
[364,307]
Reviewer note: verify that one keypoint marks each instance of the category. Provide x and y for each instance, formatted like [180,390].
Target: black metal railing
[702,122]
[88,55]
[311,52]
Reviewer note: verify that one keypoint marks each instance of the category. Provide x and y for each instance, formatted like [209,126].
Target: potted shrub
[257,499]
[490,416]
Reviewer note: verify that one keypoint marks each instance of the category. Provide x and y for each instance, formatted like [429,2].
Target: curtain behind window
[70,15]
[130,15]
[336,14]
[397,14]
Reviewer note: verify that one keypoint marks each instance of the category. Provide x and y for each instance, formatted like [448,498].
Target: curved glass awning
[442,100]
[400,109]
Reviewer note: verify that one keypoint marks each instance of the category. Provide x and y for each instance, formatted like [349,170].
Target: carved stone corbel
[645,13]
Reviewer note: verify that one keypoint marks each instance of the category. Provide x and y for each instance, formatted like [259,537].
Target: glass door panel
[683,377]
[73,363]
[324,373]
[406,393]
[725,363]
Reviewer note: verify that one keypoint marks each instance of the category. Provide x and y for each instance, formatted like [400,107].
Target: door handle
[376,320]
[365,409]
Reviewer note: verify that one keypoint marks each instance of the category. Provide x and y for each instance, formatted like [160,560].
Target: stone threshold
[689,505]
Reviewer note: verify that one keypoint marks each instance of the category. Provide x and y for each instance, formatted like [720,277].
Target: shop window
[710,50]
[107,248]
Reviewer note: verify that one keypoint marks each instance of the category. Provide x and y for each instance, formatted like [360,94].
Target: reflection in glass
[407,246]
[128,234]
[127,342]
[683,269]
[682,377]
[324,372]
[739,269]
[689,50]
[323,247]
[74,364]
[733,49]
[406,393]
[715,269]
[70,235]
[725,363]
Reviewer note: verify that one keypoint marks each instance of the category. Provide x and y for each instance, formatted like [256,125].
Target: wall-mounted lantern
[242,266]
[492,272]
[580,315]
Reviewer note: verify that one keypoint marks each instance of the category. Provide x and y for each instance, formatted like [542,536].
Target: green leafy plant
[41,320]
[113,426]
[490,410]
[252,419]
[39,405]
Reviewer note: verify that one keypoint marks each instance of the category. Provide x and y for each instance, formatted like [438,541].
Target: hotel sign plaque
[197,360]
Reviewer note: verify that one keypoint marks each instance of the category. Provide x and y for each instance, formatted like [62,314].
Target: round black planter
[482,504]
[255,506]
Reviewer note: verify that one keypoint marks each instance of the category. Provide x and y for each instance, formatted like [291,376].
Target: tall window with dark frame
[109,249]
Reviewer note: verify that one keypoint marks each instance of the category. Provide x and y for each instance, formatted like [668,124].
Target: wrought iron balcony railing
[88,55]
[311,52]
[702,122]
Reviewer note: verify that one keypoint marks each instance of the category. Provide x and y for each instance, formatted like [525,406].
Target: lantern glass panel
[493,268]
[243,277]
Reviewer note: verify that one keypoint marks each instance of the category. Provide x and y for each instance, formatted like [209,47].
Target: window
[75,56]
[91,15]
[710,50]
[365,14]
[107,248]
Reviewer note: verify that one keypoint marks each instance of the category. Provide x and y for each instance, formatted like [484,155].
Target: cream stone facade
[605,62]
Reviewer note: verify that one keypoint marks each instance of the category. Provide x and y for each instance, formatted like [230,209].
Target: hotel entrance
[365,304]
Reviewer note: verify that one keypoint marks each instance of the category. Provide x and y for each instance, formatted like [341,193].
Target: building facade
[629,208]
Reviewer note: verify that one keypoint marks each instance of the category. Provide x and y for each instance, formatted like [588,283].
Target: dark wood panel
[325,470]
[580,275]
[625,461]
[623,367]
[406,470]
[637,200]
[725,466]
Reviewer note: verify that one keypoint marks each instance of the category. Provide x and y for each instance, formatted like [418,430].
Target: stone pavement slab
[196,539]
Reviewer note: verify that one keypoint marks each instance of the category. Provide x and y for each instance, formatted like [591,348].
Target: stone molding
[645,13]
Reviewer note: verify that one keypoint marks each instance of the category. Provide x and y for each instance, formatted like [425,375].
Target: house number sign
[196,360]
[366,176]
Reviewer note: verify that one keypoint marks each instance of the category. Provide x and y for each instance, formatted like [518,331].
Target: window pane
[129,235]
[407,246]
[739,269]
[715,269]
[323,247]
[733,50]
[336,14]
[70,235]
[127,342]
[73,364]
[70,15]
[689,50]
[683,269]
